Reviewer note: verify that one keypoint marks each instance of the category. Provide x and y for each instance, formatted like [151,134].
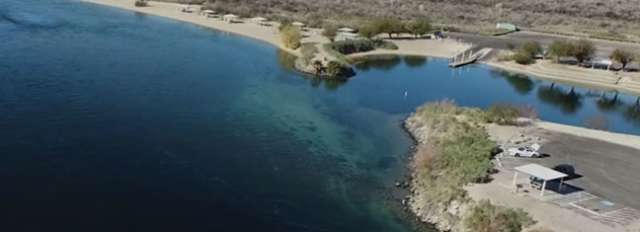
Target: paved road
[609,170]
[604,47]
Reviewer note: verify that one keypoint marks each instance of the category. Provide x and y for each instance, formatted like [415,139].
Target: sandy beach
[270,34]
[445,48]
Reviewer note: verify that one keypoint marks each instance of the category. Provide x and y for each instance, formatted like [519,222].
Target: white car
[526,151]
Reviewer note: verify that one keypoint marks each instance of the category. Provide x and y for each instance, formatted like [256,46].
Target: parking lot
[606,187]
[608,170]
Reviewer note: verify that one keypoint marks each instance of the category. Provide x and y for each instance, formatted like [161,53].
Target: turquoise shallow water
[116,121]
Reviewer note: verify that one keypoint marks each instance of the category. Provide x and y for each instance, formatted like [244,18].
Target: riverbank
[591,78]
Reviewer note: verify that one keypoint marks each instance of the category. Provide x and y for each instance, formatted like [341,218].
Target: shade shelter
[540,172]
[298,24]
[187,9]
[346,30]
[230,18]
[259,20]
[208,12]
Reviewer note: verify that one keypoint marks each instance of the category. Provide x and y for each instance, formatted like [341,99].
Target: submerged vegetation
[454,151]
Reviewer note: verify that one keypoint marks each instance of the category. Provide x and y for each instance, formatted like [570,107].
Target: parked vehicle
[526,151]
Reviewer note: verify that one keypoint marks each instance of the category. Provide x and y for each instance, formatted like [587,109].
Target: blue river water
[117,121]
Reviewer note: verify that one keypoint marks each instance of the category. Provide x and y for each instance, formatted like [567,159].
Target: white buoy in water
[405,94]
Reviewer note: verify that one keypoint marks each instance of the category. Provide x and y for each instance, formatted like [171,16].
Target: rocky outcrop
[445,217]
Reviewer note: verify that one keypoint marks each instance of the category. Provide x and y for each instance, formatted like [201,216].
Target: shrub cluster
[391,26]
[291,36]
[527,53]
[356,46]
[581,49]
[485,217]
[336,70]
[352,46]
[141,3]
[458,152]
[506,114]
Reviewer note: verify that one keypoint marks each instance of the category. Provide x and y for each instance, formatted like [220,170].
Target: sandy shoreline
[585,77]
[173,11]
[420,47]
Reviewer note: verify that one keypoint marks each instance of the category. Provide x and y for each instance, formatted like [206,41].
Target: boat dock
[468,56]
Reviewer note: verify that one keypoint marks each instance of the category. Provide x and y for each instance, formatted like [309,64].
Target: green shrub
[336,70]
[369,31]
[526,54]
[458,152]
[531,48]
[560,48]
[330,31]
[291,37]
[141,3]
[503,114]
[522,58]
[622,56]
[418,27]
[584,49]
[335,54]
[353,46]
[485,217]
[363,45]
[383,44]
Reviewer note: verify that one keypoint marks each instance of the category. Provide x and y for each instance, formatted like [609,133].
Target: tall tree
[584,49]
[389,26]
[369,31]
[418,27]
[561,48]
[330,31]
[622,56]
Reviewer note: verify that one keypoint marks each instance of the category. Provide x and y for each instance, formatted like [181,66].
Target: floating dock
[468,57]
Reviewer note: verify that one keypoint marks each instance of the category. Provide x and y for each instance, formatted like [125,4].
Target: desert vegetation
[141,3]
[623,57]
[527,53]
[363,45]
[581,49]
[485,217]
[454,151]
[617,20]
[291,36]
